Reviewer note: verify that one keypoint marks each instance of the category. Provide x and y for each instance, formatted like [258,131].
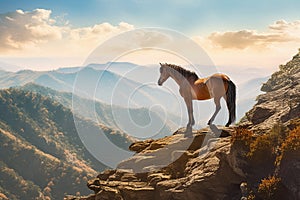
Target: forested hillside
[41,152]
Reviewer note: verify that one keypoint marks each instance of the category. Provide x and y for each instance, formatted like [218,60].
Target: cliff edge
[281,101]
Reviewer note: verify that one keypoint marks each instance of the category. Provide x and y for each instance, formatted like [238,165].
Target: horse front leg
[189,105]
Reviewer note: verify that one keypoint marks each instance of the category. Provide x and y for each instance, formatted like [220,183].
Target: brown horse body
[205,88]
[193,88]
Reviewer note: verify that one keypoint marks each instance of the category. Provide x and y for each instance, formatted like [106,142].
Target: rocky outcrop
[281,102]
[202,166]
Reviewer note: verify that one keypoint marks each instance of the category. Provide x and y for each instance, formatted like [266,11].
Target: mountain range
[92,82]
[116,117]
[131,86]
[107,86]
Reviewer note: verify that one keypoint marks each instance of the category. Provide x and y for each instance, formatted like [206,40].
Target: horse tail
[231,101]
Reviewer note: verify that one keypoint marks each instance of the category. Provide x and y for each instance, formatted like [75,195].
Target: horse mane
[184,72]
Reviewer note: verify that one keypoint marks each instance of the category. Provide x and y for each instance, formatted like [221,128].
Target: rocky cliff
[281,102]
[175,167]
[259,159]
[204,166]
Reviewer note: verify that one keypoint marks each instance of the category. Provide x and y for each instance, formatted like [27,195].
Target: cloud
[96,31]
[252,48]
[19,29]
[279,32]
[35,31]
[283,26]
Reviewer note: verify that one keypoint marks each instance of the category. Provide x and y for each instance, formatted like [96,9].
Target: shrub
[261,148]
[291,145]
[278,133]
[242,135]
[292,141]
[268,187]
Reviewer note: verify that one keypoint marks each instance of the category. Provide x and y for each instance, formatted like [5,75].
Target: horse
[191,87]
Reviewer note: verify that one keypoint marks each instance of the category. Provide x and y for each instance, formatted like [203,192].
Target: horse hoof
[227,125]
[188,134]
[188,129]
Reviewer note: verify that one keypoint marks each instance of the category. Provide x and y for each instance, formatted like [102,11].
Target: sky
[48,34]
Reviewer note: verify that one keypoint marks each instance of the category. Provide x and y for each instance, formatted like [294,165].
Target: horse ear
[160,64]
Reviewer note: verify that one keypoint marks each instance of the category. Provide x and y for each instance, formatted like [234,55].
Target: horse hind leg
[218,108]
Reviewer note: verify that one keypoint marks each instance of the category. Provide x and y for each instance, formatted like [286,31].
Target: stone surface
[289,170]
[197,166]
[281,102]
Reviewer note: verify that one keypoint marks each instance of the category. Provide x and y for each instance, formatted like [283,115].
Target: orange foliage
[242,135]
[262,145]
[290,144]
[268,186]
[292,141]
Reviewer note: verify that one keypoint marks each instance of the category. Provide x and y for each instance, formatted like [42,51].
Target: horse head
[164,74]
